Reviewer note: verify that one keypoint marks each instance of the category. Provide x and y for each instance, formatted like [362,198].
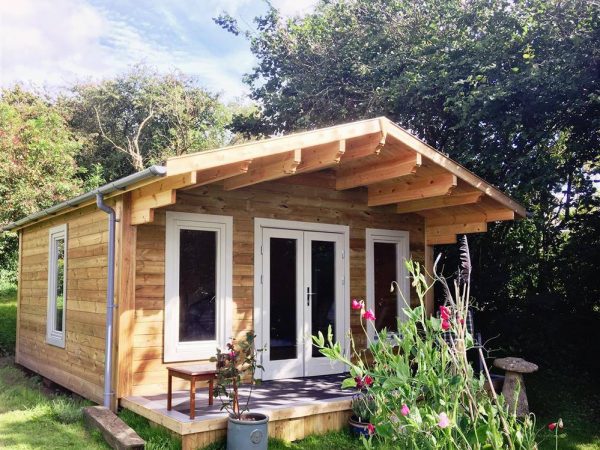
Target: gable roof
[394,166]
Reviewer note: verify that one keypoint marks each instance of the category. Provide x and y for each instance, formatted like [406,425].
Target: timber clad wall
[314,200]
[80,365]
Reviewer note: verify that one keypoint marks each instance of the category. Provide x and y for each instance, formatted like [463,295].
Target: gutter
[110,298]
[117,185]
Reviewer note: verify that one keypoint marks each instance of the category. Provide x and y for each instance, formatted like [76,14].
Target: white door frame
[259,311]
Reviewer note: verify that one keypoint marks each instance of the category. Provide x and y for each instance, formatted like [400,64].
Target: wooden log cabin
[275,236]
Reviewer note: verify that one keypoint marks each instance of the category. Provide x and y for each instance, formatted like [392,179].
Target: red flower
[445,325]
[371,428]
[359,382]
[357,304]
[368,315]
[368,380]
[552,426]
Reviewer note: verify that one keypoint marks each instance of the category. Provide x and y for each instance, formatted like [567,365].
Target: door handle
[308,295]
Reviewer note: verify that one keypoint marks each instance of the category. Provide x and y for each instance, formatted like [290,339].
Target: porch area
[296,407]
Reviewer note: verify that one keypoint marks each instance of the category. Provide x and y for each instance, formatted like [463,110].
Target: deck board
[295,403]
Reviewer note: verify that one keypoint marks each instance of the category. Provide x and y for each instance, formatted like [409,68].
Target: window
[57,286]
[198,285]
[386,252]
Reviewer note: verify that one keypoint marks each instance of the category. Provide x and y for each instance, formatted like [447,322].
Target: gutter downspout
[110,298]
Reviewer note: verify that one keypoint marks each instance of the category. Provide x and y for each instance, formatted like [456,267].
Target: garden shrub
[427,395]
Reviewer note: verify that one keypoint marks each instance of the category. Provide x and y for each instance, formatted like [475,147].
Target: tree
[37,161]
[509,88]
[141,118]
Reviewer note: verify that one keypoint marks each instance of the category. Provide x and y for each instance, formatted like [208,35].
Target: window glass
[59,285]
[283,288]
[197,285]
[385,270]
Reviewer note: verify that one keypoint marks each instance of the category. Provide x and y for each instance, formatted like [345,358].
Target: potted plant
[238,364]
[363,407]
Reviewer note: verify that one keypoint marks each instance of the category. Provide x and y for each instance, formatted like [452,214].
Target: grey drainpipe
[110,297]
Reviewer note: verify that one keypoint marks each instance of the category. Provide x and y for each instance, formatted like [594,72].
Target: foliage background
[508,88]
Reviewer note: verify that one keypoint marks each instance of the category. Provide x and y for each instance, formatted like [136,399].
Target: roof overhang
[394,167]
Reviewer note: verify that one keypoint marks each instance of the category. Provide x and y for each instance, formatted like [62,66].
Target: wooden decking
[296,408]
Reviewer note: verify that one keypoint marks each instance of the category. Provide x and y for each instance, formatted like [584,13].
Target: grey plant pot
[250,433]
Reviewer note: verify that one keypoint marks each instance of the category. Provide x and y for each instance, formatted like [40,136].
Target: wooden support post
[125,295]
[19,293]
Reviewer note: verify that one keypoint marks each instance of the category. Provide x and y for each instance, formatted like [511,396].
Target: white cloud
[51,43]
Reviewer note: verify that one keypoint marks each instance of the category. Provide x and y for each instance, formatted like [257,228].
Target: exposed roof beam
[361,148]
[483,216]
[459,228]
[364,175]
[419,188]
[441,240]
[161,193]
[453,167]
[444,201]
[221,173]
[273,146]
[278,167]
[321,157]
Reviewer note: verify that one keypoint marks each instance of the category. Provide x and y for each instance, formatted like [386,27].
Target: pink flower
[444,313]
[357,304]
[368,315]
[552,426]
[445,325]
[405,411]
[371,428]
[444,421]
[368,380]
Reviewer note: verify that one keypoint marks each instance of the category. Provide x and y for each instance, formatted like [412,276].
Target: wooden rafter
[419,188]
[491,215]
[269,147]
[453,167]
[161,193]
[440,240]
[221,173]
[459,228]
[269,169]
[375,173]
[321,157]
[444,201]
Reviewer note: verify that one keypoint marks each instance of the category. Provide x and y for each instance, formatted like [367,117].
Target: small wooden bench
[193,374]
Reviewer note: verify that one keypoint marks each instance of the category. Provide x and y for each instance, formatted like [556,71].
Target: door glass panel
[197,285]
[323,289]
[60,284]
[283,288]
[385,272]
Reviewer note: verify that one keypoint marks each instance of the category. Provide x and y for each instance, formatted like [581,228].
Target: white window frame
[54,337]
[401,239]
[223,225]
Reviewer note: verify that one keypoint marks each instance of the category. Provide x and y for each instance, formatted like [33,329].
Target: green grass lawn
[33,418]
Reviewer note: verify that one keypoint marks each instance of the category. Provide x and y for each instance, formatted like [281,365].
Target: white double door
[302,292]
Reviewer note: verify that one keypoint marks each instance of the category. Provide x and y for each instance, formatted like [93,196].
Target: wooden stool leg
[210,391]
[169,392]
[192,398]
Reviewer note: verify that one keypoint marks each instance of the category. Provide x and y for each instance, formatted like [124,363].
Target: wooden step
[115,432]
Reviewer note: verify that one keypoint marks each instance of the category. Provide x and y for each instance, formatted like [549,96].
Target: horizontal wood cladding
[282,200]
[80,365]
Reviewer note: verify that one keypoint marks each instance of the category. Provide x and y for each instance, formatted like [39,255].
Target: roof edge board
[117,185]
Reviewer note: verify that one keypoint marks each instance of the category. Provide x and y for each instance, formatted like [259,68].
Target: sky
[49,44]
